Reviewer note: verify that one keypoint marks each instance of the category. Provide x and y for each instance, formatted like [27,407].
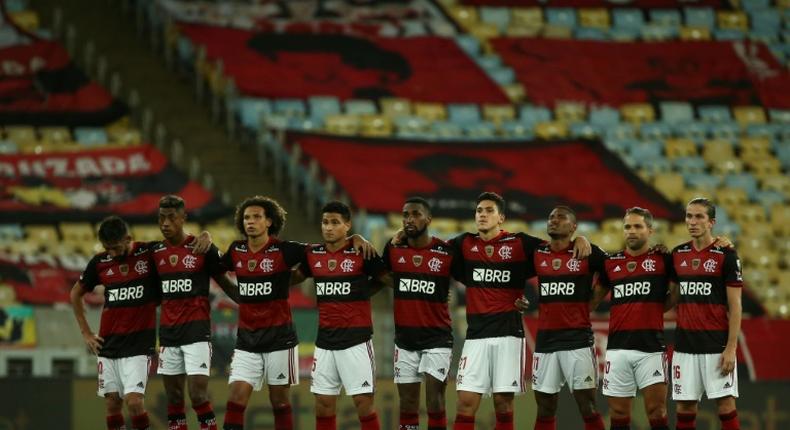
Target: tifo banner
[533,177]
[729,73]
[280,65]
[87,185]
[17,326]
[42,279]
[640,4]
[40,85]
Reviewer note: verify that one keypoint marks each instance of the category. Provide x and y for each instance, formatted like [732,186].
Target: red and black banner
[88,185]
[639,4]
[41,85]
[43,279]
[534,177]
[728,73]
[300,65]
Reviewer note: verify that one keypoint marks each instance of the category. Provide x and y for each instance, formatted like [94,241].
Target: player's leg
[687,388]
[173,371]
[407,379]
[503,407]
[283,372]
[508,374]
[728,413]
[246,375]
[114,407]
[547,410]
[619,387]
[357,369]
[547,380]
[723,389]
[109,387]
[435,402]
[135,404]
[651,377]
[473,380]
[325,385]
[197,359]
[325,406]
[620,412]
[580,367]
[134,377]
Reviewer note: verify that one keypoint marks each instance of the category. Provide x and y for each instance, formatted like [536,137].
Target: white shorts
[123,375]
[192,359]
[628,369]
[277,367]
[492,365]
[693,374]
[353,368]
[410,365]
[577,367]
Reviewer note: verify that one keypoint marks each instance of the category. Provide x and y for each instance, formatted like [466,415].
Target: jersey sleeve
[374,266]
[530,244]
[214,263]
[304,265]
[226,260]
[293,252]
[669,268]
[597,258]
[385,256]
[457,243]
[732,270]
[603,276]
[89,278]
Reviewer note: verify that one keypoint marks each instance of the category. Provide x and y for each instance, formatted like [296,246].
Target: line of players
[702,278]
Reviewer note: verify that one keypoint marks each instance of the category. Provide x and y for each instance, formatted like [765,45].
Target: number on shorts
[396,355]
[101,367]
[462,363]
[314,361]
[676,372]
[535,364]
[608,364]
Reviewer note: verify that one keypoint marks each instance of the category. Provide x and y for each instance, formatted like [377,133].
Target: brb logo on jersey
[333,288]
[557,288]
[416,286]
[691,288]
[490,275]
[125,293]
[251,289]
[631,289]
[177,286]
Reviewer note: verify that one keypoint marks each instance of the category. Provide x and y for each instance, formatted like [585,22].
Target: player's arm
[378,283]
[93,341]
[727,361]
[601,288]
[599,293]
[297,277]
[672,296]
[228,286]
[362,245]
[201,243]
[581,248]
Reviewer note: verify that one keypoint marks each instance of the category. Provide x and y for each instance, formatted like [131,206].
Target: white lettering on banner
[255,288]
[80,166]
[490,275]
[125,293]
[691,288]
[557,288]
[13,68]
[416,286]
[332,288]
[632,289]
[177,286]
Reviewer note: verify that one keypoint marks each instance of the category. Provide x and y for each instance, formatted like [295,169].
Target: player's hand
[722,242]
[581,248]
[362,245]
[659,248]
[399,238]
[202,243]
[522,304]
[93,341]
[727,362]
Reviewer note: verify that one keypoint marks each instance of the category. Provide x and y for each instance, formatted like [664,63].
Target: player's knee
[114,404]
[686,407]
[547,404]
[503,404]
[409,405]
[279,399]
[364,404]
[135,403]
[175,396]
[198,397]
[434,404]
[725,405]
[585,400]
[619,411]
[466,405]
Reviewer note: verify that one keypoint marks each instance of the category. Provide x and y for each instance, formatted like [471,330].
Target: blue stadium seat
[468,44]
[321,106]
[185,49]
[463,114]
[533,114]
[653,166]
[502,75]
[647,151]
[15,5]
[666,17]
[714,113]
[769,198]
[702,181]
[291,107]
[625,34]
[770,131]
[655,131]
[447,130]
[783,154]
[628,18]
[585,130]
[561,16]
[604,116]
[498,16]
[753,5]
[251,110]
[620,146]
[744,181]
[620,131]
[518,129]
[90,136]
[700,17]
[305,124]
[765,18]
[589,33]
[489,61]
[8,147]
[726,131]
[727,228]
[360,107]
[728,34]
[658,32]
[689,165]
[480,130]
[696,131]
[676,112]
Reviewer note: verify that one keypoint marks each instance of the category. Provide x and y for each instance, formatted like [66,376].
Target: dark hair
[702,201]
[171,201]
[336,207]
[113,229]
[271,209]
[568,210]
[494,197]
[644,213]
[420,201]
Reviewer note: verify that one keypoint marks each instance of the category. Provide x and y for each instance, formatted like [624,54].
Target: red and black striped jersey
[263,278]
[185,279]
[343,289]
[131,295]
[565,287]
[703,277]
[639,286]
[422,286]
[495,273]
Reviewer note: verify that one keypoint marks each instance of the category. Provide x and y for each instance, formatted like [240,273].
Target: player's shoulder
[440,246]
[725,250]
[544,247]
[101,258]
[316,248]
[617,256]
[157,246]
[141,248]
[682,248]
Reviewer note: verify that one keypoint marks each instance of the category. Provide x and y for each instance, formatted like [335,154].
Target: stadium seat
[531,114]
[671,185]
[604,116]
[637,113]
[551,130]
[676,112]
[42,235]
[146,232]
[468,44]
[77,232]
[655,131]
[588,33]
[515,92]
[90,136]
[728,34]
[530,17]
[517,129]
[569,112]
[727,166]
[751,5]
[430,111]
[725,131]
[732,20]
[754,147]
[55,134]
[699,17]
[694,33]
[124,136]
[11,232]
[620,131]
[768,199]
[779,183]
[252,110]
[394,107]
[26,19]
[8,147]
[480,130]
[522,31]
[497,16]
[744,181]
[360,107]
[628,18]
[764,167]
[609,242]
[561,17]
[375,126]
[747,115]
[463,114]
[714,113]
[646,151]
[557,32]
[290,107]
[465,16]
[585,130]
[731,198]
[347,125]
[322,106]
[658,33]
[447,130]
[689,165]
[665,17]
[483,31]
[594,18]
[675,148]
[20,133]
[702,182]
[498,114]
[769,131]
[765,19]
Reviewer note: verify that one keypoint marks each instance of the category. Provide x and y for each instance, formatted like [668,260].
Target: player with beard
[421,267]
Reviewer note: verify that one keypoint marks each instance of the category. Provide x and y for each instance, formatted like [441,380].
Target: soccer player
[344,354]
[708,320]
[127,332]
[421,269]
[185,322]
[639,279]
[564,350]
[267,345]
[496,265]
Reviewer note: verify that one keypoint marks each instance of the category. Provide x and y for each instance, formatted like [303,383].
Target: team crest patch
[489,250]
[631,266]
[173,260]
[251,265]
[124,268]
[331,264]
[417,260]
[556,263]
[695,263]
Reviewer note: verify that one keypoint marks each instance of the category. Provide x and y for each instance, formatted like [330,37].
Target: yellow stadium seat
[594,18]
[732,20]
[717,150]
[521,31]
[77,231]
[757,230]
[445,227]
[670,185]
[483,31]
[780,183]
[375,126]
[746,115]
[430,111]
[394,107]
[638,113]
[515,225]
[690,194]
[675,148]
[731,198]
[758,281]
[7,295]
[55,134]
[515,92]
[783,4]
[570,112]
[609,242]
[527,16]
[780,221]
[465,16]
[727,167]
[764,167]
[761,260]
[347,125]
[27,19]
[146,232]
[20,133]
[125,136]
[42,234]
[694,33]
[557,32]
[551,130]
[755,147]
[612,225]
[499,113]
[679,229]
